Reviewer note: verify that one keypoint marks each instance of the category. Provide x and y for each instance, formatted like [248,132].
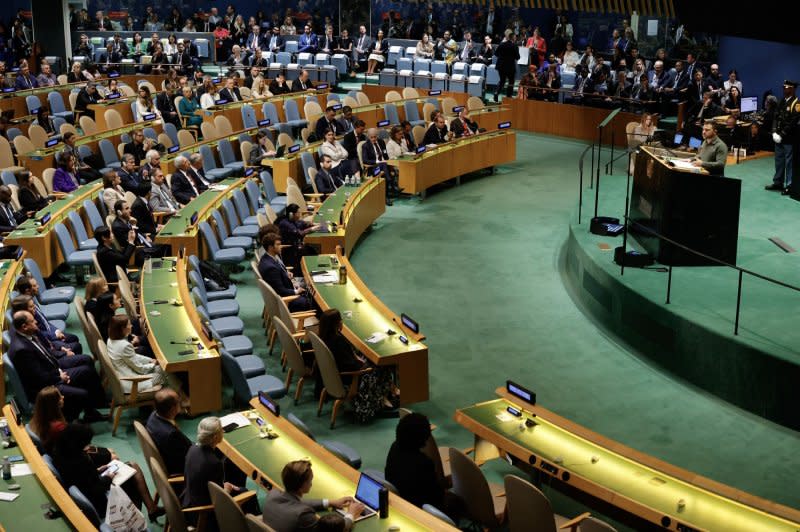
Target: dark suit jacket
[182,189]
[434,136]
[284,511]
[165,104]
[457,127]
[275,276]
[137,150]
[280,43]
[368,152]
[323,127]
[31,201]
[350,143]
[276,89]
[297,86]
[202,466]
[84,99]
[109,258]
[327,183]
[144,216]
[507,56]
[225,94]
[129,182]
[115,57]
[35,369]
[6,223]
[82,472]
[414,475]
[170,442]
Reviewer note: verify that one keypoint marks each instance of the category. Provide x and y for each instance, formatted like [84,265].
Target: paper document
[375,337]
[6,496]
[330,276]
[21,470]
[237,418]
[685,165]
[124,472]
[218,187]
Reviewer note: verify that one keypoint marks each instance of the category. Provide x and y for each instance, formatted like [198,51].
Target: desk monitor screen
[294,149]
[249,171]
[113,75]
[279,151]
[749,104]
[264,122]
[50,143]
[521,392]
[435,92]
[46,218]
[694,142]
[269,404]
[421,149]
[409,323]
[173,149]
[112,95]
[149,116]
[9,89]
[457,109]
[504,125]
[383,123]
[193,219]
[221,102]
[216,80]
[337,107]
[678,139]
[321,86]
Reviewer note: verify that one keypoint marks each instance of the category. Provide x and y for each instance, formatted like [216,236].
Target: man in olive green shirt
[713,153]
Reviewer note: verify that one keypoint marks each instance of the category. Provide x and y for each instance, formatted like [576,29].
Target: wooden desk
[263,460]
[369,316]
[179,232]
[660,493]
[121,105]
[233,110]
[9,271]
[26,512]
[168,161]
[455,158]
[41,243]
[356,208]
[178,324]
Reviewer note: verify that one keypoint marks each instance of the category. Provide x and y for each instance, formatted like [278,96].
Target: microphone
[191,342]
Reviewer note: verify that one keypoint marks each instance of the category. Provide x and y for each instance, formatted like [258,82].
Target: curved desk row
[37,492]
[179,231]
[640,485]
[175,332]
[455,158]
[9,271]
[263,459]
[40,241]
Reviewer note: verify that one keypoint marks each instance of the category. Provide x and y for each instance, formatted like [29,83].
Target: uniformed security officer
[785,135]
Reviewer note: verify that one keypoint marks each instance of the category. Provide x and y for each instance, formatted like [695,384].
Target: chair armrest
[304,314]
[58,195]
[287,299]
[359,372]
[242,497]
[573,524]
[136,379]
[195,509]
[177,479]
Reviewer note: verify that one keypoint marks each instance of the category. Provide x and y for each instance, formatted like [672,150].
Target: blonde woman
[260,88]
[209,97]
[145,104]
[424,48]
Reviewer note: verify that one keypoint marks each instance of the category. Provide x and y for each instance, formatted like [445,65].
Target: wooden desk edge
[723,490]
[48,481]
[396,503]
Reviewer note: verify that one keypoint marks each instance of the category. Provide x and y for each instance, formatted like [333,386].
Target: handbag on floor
[121,514]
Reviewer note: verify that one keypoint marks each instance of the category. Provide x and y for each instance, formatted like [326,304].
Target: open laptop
[368,493]
[279,151]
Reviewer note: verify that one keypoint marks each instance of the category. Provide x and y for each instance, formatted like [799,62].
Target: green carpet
[480,267]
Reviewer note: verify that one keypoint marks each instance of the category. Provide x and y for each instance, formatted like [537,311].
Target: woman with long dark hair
[48,419]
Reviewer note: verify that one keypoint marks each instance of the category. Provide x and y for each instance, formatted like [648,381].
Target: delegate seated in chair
[273,271]
[109,257]
[187,108]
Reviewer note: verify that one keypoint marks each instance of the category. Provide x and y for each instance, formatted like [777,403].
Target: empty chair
[94,216]
[33,104]
[307,162]
[237,228]
[245,389]
[15,382]
[228,157]
[390,112]
[219,308]
[223,125]
[88,125]
[293,115]
[208,130]
[185,137]
[410,92]
[291,352]
[412,113]
[278,203]
[249,116]
[217,254]
[8,178]
[362,98]
[243,208]
[113,119]
[23,144]
[72,257]
[13,132]
[110,157]
[172,133]
[481,503]
[342,451]
[57,107]
[474,103]
[213,295]
[210,165]
[392,96]
[85,242]
[253,195]
[38,136]
[237,345]
[228,241]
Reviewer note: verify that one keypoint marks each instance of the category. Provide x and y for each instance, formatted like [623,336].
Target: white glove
[777,138]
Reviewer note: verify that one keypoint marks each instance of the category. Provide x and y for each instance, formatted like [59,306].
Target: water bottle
[383,503]
[342,274]
[347,179]
[6,468]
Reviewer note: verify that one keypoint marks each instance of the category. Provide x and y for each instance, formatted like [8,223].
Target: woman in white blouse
[125,360]
[732,81]
[341,166]
[172,45]
[570,58]
[112,190]
[397,145]
[209,96]
[145,104]
[424,48]
[260,88]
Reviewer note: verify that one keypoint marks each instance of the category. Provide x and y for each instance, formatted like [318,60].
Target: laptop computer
[279,151]
[368,493]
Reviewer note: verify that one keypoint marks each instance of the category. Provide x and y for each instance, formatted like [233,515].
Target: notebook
[368,493]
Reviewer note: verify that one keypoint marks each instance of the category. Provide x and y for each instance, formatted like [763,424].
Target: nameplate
[376,171]
[193,219]
[113,75]
[504,125]
[421,149]
[215,80]
[458,108]
[50,143]
[173,149]
[20,251]
[9,89]
[249,171]
[264,122]
[113,96]
[520,391]
[294,149]
[46,218]
[149,116]
[336,107]
[321,86]
[435,92]
[35,111]
[409,323]
[15,69]
[383,123]
[221,102]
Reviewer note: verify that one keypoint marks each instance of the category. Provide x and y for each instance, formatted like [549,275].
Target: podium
[690,207]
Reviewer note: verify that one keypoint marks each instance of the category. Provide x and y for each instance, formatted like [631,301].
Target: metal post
[591,172]
[611,162]
[669,283]
[580,192]
[738,304]
[625,219]
[597,180]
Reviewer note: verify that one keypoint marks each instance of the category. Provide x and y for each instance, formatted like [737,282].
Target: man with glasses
[308,41]
[138,146]
[152,162]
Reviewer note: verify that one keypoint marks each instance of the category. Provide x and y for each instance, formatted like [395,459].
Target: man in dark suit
[87,95]
[129,177]
[462,126]
[169,440]
[122,227]
[373,153]
[9,218]
[138,146]
[29,287]
[275,43]
[326,182]
[38,368]
[255,39]
[302,83]
[66,357]
[328,43]
[142,211]
[437,133]
[408,134]
[183,58]
[24,79]
[230,92]
[327,123]
[507,55]
[166,105]
[275,274]
[196,169]
[279,85]
[185,186]
[120,46]
[257,61]
[109,61]
[352,138]
[109,257]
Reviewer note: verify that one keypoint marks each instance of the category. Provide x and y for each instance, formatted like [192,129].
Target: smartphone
[110,470]
[16,458]
[229,427]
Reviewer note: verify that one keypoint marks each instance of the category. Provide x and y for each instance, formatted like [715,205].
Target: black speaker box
[632,258]
[598,225]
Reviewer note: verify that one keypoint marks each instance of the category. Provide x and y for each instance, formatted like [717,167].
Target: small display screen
[521,392]
[248,172]
[434,92]
[264,122]
[294,149]
[337,107]
[112,95]
[149,116]
[193,219]
[221,102]
[113,75]
[383,123]
[269,404]
[409,323]
[322,86]
[46,218]
[504,125]
[173,149]
[9,89]
[421,149]
[458,108]
[694,142]
[50,143]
